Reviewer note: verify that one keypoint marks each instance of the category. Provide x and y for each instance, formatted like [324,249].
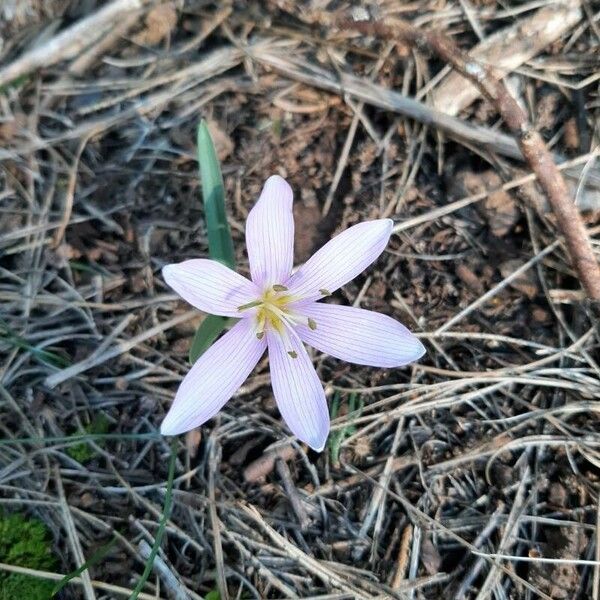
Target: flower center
[273,311]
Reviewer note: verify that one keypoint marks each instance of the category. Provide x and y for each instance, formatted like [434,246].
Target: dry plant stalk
[530,141]
[507,49]
[72,41]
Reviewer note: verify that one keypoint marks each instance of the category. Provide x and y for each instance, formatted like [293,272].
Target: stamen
[293,353]
[325,292]
[279,288]
[260,335]
[312,324]
[281,314]
[250,305]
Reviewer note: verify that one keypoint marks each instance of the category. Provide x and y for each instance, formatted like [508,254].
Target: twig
[101,585]
[530,141]
[213,466]
[292,494]
[73,537]
[71,41]
[509,535]
[507,49]
[493,291]
[81,64]
[377,95]
[437,213]
[403,556]
[213,64]
[70,192]
[164,572]
[118,349]
[316,567]
[474,571]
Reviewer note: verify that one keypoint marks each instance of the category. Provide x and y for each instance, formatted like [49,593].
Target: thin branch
[530,141]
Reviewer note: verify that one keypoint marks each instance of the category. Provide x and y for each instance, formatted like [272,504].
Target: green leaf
[213,595]
[337,437]
[166,513]
[93,560]
[15,84]
[220,244]
[206,334]
[50,358]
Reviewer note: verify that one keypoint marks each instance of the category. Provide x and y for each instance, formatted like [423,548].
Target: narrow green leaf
[206,334]
[336,438]
[93,560]
[166,513]
[50,358]
[220,244]
[15,84]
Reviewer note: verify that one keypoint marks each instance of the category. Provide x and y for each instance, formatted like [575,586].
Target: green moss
[27,543]
[84,452]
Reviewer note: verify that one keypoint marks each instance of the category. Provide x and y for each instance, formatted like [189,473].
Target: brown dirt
[488,446]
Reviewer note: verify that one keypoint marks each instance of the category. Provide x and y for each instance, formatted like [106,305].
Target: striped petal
[214,378]
[359,336]
[270,234]
[297,389]
[340,260]
[210,286]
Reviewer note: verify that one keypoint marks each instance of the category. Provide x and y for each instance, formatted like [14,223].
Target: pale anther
[260,335]
[279,288]
[325,292]
[293,353]
[312,324]
[250,305]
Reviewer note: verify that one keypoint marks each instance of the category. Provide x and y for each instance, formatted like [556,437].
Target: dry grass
[471,475]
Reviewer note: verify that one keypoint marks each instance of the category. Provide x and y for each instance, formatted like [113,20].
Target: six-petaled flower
[280,310]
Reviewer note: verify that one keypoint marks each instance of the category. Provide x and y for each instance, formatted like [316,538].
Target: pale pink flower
[279,310]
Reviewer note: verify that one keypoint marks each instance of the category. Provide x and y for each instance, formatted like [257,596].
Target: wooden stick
[530,141]
[292,494]
[71,41]
[507,49]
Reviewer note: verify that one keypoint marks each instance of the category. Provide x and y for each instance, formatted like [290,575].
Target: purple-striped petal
[214,378]
[270,234]
[341,259]
[297,389]
[359,336]
[210,286]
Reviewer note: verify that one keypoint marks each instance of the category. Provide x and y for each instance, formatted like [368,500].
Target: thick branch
[531,143]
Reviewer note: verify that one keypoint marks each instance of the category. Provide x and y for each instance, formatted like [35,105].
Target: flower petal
[270,234]
[298,391]
[359,336]
[341,259]
[214,378]
[210,286]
